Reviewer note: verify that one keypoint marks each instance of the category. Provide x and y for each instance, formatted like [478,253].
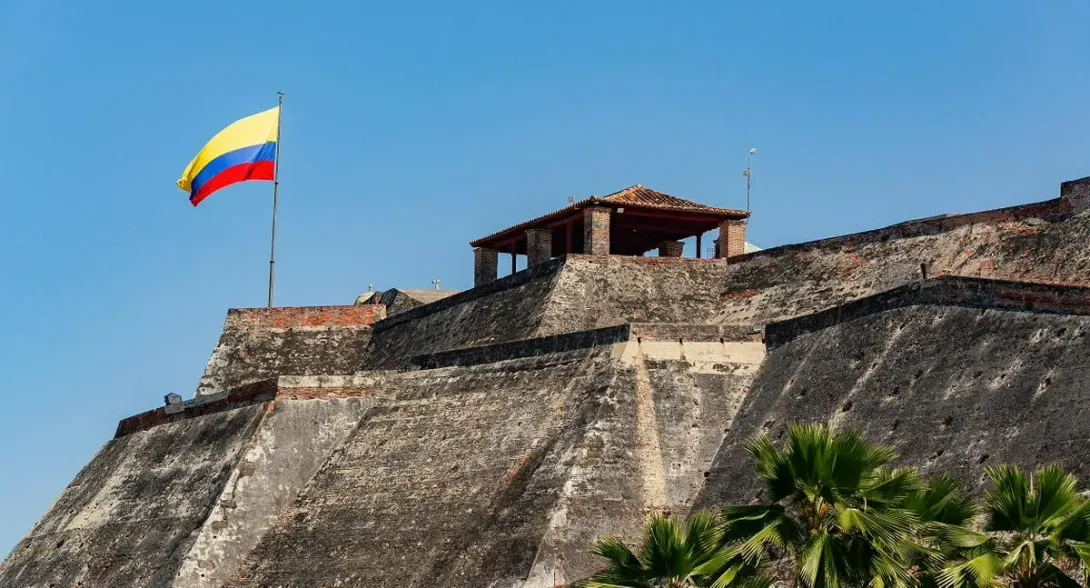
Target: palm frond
[886,526]
[773,467]
[663,552]
[891,487]
[703,535]
[811,562]
[942,501]
[980,571]
[1006,503]
[740,523]
[1056,495]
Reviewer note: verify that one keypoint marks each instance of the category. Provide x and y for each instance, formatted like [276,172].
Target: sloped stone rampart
[957,375]
[503,472]
[130,517]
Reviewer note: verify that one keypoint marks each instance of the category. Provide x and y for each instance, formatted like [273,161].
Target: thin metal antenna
[435,284]
[748,173]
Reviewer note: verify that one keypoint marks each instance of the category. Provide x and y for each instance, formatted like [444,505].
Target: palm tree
[943,514]
[675,555]
[835,510]
[1038,529]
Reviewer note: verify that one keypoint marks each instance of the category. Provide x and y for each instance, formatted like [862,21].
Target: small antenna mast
[748,173]
[435,284]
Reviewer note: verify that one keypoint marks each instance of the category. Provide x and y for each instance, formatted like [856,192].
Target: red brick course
[307,316]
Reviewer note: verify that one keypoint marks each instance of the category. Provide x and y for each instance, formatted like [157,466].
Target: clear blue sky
[411,128]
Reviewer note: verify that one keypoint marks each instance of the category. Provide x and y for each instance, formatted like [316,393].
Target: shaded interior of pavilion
[635,222]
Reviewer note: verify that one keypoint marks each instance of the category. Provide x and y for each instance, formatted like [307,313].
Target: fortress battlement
[490,436]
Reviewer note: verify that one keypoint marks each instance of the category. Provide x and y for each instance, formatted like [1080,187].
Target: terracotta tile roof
[635,196]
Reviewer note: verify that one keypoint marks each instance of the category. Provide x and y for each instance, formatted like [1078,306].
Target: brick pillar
[732,239]
[485,265]
[596,230]
[539,246]
[671,248]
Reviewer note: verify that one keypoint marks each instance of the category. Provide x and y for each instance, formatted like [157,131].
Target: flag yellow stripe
[253,130]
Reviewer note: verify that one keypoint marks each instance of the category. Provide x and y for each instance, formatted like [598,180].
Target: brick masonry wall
[306,316]
[732,239]
[596,230]
[485,265]
[539,246]
[671,249]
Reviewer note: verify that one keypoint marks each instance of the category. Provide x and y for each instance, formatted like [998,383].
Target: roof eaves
[526,224]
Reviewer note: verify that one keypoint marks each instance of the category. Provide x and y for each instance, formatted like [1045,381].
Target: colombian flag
[244,151]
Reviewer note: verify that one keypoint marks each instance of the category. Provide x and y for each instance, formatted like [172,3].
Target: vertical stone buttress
[539,246]
[596,230]
[671,248]
[732,239]
[485,265]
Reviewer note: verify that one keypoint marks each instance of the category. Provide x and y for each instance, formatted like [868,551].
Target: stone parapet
[944,290]
[306,317]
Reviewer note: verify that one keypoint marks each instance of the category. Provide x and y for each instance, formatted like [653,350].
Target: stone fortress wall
[488,438]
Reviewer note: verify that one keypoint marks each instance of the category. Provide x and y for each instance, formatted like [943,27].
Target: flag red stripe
[262,170]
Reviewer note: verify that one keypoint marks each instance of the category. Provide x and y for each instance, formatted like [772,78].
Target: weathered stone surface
[399,300]
[260,344]
[1038,242]
[594,292]
[540,411]
[507,309]
[504,473]
[294,439]
[129,517]
[954,383]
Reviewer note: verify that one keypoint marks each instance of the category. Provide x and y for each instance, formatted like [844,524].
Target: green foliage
[839,516]
[836,510]
[673,554]
[1038,533]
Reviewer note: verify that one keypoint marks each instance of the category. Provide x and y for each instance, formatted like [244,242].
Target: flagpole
[276,188]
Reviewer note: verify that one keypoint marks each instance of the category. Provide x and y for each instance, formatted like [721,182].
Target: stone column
[671,248]
[539,246]
[485,265]
[596,230]
[732,239]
